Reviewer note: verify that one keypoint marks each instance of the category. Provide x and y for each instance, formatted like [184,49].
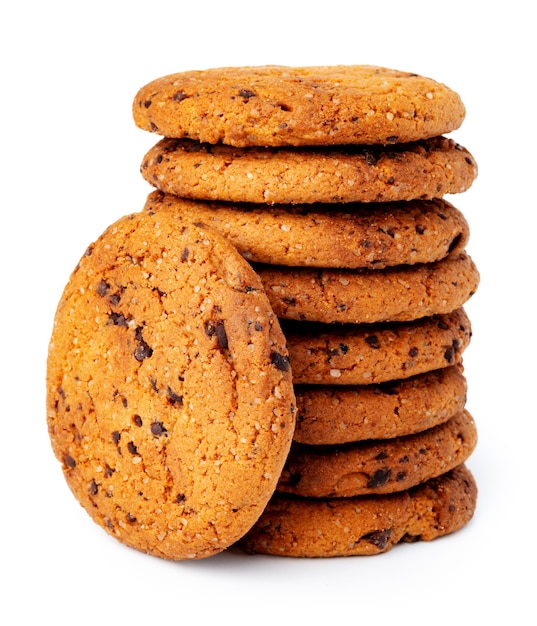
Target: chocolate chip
[179,96]
[413,352]
[246,93]
[157,429]
[180,498]
[379,478]
[116,436]
[379,538]
[217,329]
[103,288]
[143,351]
[420,229]
[280,361]
[118,319]
[130,518]
[344,348]
[132,448]
[93,488]
[370,158]
[137,420]
[373,341]
[174,398]
[184,254]
[449,354]
[69,461]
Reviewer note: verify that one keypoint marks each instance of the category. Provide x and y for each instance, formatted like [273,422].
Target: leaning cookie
[323,354]
[336,414]
[364,525]
[378,466]
[354,236]
[170,404]
[298,106]
[421,170]
[397,294]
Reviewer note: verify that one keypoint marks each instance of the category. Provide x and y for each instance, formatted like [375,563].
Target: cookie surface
[364,525]
[322,354]
[401,293]
[335,414]
[378,466]
[421,170]
[357,236]
[169,396]
[297,106]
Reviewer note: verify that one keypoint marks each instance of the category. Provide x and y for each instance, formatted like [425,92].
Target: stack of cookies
[307,206]
[330,181]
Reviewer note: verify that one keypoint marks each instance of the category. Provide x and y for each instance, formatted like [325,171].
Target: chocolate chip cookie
[170,403]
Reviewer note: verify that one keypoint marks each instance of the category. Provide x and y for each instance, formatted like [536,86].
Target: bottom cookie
[368,525]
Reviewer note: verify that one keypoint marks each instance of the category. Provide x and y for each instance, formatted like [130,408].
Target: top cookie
[169,396]
[298,106]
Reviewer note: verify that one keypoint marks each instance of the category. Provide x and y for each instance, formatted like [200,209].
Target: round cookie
[401,293]
[378,466]
[336,414]
[363,354]
[364,525]
[169,395]
[355,236]
[297,106]
[422,170]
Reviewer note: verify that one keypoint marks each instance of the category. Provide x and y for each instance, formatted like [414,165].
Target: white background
[70,157]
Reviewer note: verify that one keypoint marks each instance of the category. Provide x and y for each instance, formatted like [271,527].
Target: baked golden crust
[297,106]
[373,235]
[395,294]
[379,466]
[364,525]
[169,396]
[357,354]
[335,414]
[421,170]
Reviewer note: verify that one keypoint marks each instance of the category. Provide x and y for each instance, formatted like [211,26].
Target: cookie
[401,293]
[364,525]
[336,414]
[298,106]
[170,403]
[322,354]
[354,236]
[421,170]
[378,466]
